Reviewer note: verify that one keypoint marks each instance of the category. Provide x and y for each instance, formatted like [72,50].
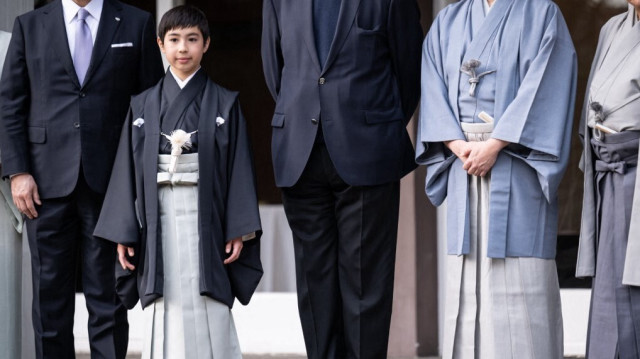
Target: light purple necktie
[84,46]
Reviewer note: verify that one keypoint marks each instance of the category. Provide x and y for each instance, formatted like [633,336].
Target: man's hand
[122,257]
[483,156]
[460,148]
[25,194]
[234,247]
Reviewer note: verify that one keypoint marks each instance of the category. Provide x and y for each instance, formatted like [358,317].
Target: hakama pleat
[614,319]
[185,324]
[499,308]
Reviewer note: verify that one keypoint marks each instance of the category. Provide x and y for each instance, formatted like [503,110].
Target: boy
[181,198]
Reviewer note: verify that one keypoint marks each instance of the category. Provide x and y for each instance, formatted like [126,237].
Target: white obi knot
[186,170]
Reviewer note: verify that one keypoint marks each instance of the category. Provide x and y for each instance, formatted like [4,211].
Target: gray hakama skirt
[614,319]
[185,324]
[499,308]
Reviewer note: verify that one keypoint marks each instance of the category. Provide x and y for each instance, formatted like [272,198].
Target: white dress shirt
[487,7]
[70,11]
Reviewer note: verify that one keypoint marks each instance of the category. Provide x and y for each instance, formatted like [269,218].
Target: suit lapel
[348,11]
[109,23]
[54,26]
[306,9]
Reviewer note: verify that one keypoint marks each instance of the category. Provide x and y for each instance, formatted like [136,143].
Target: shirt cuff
[249,236]
[16,174]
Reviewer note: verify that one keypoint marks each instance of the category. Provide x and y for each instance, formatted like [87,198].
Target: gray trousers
[499,308]
[614,318]
[16,333]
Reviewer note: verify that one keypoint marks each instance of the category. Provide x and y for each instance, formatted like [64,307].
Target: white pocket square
[219,121]
[123,44]
[139,122]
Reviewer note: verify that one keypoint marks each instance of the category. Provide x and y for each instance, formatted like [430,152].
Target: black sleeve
[405,42]
[118,221]
[272,61]
[15,99]
[241,215]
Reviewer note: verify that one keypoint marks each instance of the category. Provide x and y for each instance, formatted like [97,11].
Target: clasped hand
[477,157]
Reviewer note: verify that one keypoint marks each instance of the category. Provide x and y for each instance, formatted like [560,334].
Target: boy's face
[184,49]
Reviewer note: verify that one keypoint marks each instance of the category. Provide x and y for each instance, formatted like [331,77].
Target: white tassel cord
[179,140]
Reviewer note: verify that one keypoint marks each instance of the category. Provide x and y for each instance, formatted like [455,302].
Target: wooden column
[414,324]
[11,9]
[16,339]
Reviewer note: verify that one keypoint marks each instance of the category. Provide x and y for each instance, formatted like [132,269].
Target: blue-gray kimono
[619,93]
[526,81]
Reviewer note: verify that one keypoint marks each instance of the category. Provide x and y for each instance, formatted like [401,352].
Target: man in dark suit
[70,70]
[345,76]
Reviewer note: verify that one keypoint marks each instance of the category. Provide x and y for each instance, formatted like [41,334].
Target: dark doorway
[146,5]
[234,62]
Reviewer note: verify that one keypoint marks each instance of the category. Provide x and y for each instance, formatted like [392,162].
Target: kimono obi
[477,132]
[616,152]
[186,173]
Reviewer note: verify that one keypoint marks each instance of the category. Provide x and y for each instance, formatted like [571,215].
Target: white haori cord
[179,140]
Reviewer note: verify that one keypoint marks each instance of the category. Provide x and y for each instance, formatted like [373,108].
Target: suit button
[76,124]
[321,81]
[82,94]
[314,121]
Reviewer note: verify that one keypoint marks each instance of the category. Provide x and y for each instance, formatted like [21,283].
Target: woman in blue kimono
[610,231]
[498,88]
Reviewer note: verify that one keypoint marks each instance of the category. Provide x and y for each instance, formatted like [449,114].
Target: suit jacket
[364,95]
[52,126]
[5,189]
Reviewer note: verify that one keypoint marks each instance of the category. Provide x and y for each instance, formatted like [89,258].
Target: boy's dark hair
[181,17]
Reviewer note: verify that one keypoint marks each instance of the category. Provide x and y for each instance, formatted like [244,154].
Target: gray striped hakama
[185,324]
[614,323]
[499,308]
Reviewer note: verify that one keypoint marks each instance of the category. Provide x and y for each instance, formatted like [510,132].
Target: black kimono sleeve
[118,221]
[242,216]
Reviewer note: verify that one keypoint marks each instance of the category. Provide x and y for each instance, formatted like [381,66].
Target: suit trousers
[345,246]
[61,241]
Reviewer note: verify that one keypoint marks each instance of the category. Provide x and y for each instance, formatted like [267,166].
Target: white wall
[268,325]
